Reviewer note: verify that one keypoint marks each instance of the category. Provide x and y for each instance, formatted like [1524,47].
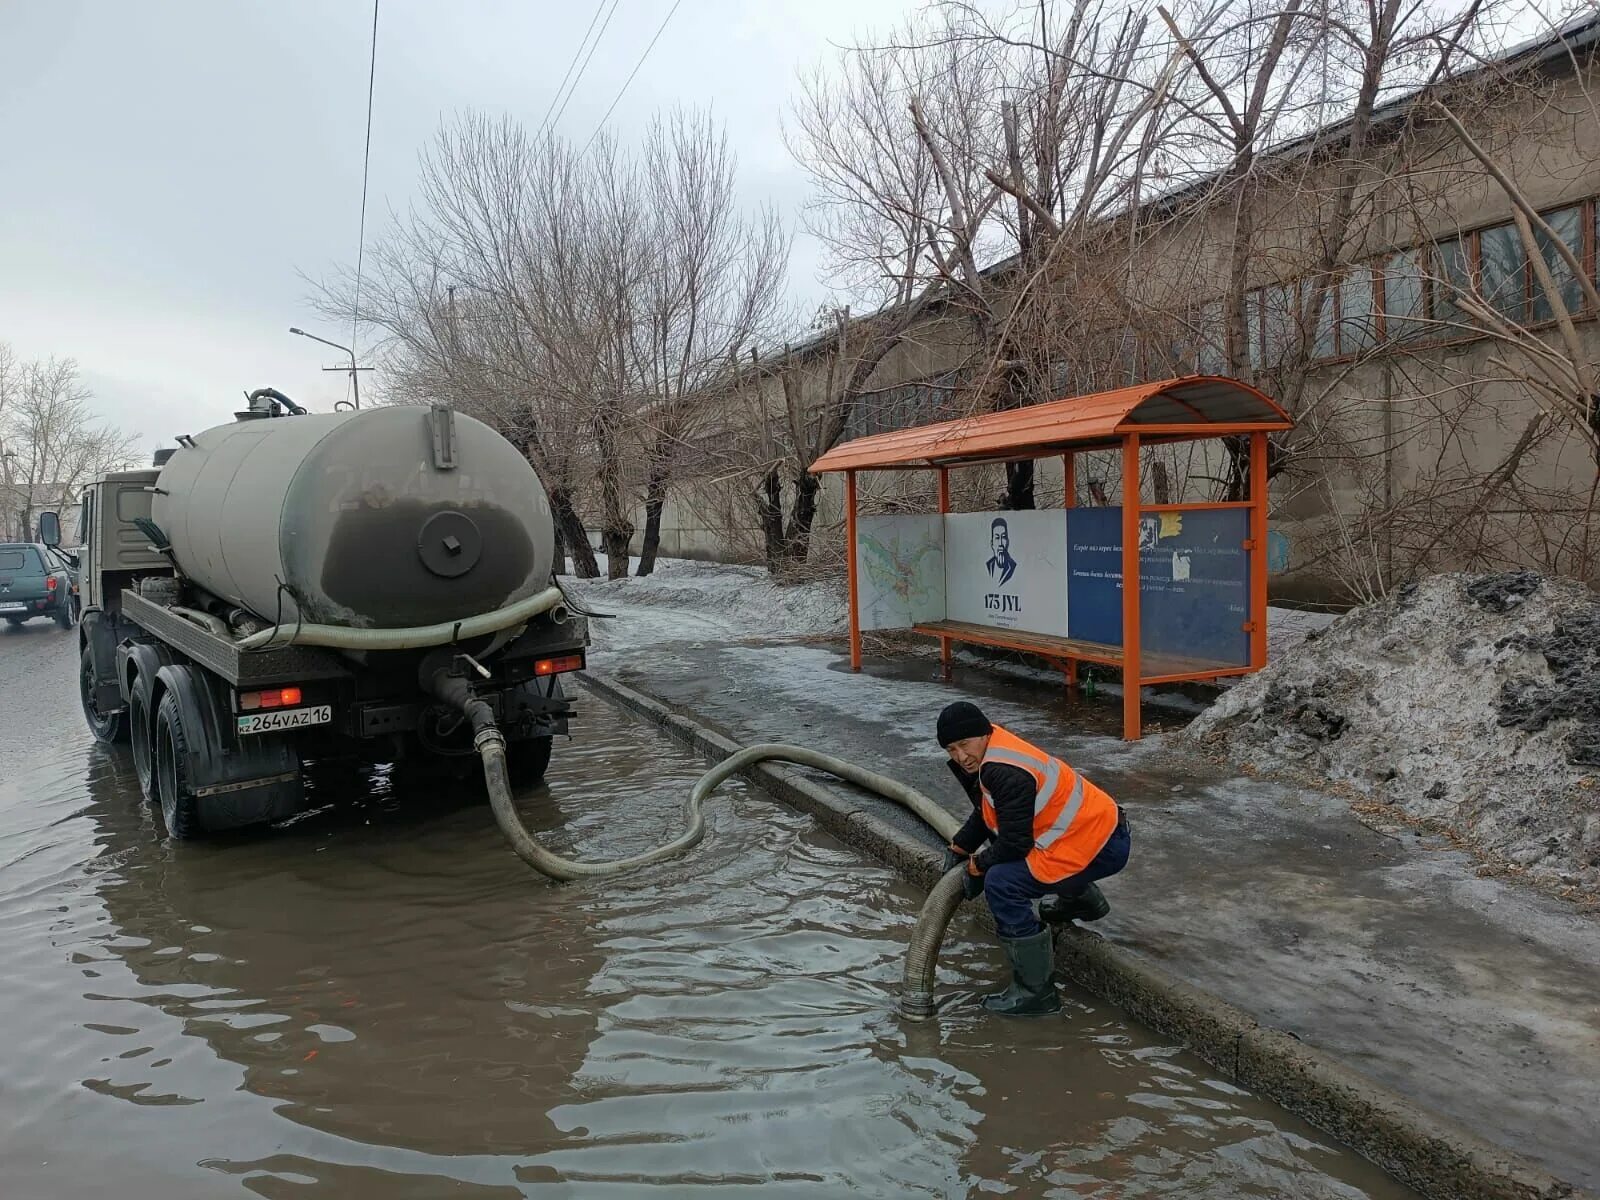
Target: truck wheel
[527,761]
[111,727]
[144,765]
[16,622]
[64,616]
[180,807]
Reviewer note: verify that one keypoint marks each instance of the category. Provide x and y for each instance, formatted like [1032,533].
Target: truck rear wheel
[527,761]
[180,807]
[139,735]
[112,727]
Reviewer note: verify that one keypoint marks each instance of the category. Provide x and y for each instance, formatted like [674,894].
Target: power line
[572,62]
[366,162]
[573,90]
[659,31]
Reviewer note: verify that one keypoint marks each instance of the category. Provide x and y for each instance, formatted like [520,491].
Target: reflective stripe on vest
[1064,845]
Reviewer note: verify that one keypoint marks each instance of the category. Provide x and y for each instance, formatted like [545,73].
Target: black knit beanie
[962,720]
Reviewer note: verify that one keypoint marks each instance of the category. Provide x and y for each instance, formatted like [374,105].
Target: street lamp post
[355,381]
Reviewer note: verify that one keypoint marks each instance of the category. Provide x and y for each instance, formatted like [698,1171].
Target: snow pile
[1470,701]
[684,600]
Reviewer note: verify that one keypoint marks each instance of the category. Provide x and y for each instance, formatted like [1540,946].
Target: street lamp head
[301,332]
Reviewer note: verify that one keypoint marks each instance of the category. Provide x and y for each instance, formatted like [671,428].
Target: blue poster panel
[1094,575]
[1194,594]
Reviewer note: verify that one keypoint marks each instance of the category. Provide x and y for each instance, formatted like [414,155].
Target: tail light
[275,698]
[558,666]
[50,583]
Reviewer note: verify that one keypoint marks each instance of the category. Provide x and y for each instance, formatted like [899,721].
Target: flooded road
[380,1000]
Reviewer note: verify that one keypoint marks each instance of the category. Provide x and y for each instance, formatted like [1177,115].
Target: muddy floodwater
[379,1000]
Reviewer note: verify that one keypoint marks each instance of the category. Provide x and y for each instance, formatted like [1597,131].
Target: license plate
[285,718]
[13,608]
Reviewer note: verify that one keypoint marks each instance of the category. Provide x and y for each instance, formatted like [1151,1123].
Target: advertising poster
[1007,570]
[1194,581]
[900,570]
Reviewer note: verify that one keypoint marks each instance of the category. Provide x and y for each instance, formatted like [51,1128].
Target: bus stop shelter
[1050,583]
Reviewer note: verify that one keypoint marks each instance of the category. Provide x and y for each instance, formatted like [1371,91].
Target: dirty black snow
[1470,702]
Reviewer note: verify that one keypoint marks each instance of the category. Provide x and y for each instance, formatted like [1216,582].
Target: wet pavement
[378,999]
[1473,996]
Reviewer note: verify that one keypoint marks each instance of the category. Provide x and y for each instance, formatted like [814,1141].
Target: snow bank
[685,600]
[1470,701]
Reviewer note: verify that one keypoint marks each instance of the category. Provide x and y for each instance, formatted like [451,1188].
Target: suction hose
[917,1002]
[922,957]
[341,637]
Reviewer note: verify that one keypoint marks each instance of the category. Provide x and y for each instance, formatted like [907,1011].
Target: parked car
[34,583]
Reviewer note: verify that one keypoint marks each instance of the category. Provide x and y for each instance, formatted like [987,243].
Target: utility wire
[573,90]
[618,99]
[366,162]
[571,62]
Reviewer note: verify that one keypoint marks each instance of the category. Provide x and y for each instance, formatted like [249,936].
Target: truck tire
[16,622]
[141,739]
[180,807]
[64,616]
[106,728]
[527,761]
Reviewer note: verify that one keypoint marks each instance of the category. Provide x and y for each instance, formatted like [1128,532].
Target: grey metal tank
[379,519]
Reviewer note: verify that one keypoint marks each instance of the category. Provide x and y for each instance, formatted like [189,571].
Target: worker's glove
[971,885]
[953,858]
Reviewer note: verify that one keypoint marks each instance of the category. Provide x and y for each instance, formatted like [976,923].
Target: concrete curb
[1426,1152]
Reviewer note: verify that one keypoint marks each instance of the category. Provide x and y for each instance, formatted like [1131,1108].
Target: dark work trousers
[1011,889]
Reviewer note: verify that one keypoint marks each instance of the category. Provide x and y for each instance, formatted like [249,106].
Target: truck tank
[377,519]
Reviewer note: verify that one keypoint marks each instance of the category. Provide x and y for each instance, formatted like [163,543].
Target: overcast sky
[167,169]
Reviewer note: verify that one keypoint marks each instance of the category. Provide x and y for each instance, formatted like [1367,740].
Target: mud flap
[537,708]
[236,781]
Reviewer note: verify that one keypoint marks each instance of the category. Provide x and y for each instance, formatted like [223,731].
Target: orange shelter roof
[1197,406]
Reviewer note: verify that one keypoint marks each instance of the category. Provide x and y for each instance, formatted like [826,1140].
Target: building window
[1454,277]
[1405,296]
[1280,322]
[1568,226]
[1502,267]
[1323,329]
[1358,313]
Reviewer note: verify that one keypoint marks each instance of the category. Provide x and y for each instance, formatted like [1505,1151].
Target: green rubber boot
[1088,905]
[1032,992]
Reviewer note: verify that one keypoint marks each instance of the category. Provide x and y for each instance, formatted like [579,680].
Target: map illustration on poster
[1194,581]
[900,570]
[1007,570]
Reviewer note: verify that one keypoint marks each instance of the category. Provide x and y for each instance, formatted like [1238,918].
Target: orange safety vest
[1072,819]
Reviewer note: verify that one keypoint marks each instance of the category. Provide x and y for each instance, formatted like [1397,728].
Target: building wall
[1410,419]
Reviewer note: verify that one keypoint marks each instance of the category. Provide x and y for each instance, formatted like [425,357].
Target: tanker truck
[295,586]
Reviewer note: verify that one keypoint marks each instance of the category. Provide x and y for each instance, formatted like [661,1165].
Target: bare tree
[50,443]
[580,300]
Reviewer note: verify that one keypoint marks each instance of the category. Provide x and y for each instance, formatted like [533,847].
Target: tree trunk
[655,500]
[769,506]
[558,563]
[616,530]
[1161,482]
[574,537]
[615,540]
[1019,485]
[797,543]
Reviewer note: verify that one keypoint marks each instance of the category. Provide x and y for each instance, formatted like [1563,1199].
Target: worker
[1039,831]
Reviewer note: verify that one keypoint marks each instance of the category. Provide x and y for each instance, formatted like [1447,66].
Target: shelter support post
[1130,587]
[850,568]
[945,671]
[1069,499]
[1258,550]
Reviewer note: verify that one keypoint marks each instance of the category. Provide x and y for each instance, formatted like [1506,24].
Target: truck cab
[114,554]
